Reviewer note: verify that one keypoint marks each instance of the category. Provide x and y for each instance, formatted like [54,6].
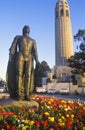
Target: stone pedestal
[11,102]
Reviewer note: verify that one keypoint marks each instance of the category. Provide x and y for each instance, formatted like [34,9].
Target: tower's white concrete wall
[63,33]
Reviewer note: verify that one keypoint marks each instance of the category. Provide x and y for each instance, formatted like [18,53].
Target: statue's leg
[27,80]
[32,82]
[31,87]
[19,78]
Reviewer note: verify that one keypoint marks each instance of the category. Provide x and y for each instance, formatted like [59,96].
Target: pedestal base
[11,102]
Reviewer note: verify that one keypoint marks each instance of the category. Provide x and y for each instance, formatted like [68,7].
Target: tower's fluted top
[61,2]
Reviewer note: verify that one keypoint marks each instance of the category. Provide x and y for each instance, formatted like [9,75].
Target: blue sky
[40,16]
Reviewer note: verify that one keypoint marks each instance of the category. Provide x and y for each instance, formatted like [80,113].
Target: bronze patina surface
[20,70]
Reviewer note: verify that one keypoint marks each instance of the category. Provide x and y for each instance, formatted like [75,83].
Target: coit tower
[63,33]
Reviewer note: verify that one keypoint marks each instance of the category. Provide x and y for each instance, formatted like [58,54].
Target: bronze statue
[20,71]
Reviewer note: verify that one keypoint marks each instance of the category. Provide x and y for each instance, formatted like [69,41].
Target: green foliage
[80,37]
[44,68]
[41,71]
[78,60]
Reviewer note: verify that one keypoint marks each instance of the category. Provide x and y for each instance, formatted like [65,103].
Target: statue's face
[26,29]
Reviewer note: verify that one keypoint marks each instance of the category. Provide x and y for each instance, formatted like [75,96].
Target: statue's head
[26,29]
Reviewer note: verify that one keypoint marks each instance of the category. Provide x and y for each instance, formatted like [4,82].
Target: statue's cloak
[11,77]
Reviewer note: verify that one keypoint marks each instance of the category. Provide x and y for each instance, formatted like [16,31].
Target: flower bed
[53,114]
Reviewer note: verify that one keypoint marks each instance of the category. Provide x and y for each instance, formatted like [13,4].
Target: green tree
[44,68]
[78,60]
[41,71]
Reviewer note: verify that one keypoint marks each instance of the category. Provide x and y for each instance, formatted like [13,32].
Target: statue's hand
[10,57]
[37,63]
[38,66]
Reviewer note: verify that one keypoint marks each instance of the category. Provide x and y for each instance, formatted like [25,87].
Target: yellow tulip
[63,118]
[72,116]
[67,115]
[83,128]
[46,113]
[51,119]
[31,123]
[60,120]
[62,124]
[25,128]
[26,121]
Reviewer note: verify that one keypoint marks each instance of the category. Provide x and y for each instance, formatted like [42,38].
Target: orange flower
[44,123]
[7,127]
[13,128]
[69,124]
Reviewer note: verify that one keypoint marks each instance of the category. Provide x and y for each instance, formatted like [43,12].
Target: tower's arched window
[67,13]
[56,14]
[66,3]
[61,12]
